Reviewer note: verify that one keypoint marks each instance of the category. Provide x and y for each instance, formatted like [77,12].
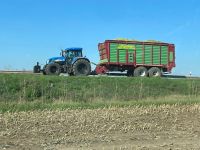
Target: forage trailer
[139,58]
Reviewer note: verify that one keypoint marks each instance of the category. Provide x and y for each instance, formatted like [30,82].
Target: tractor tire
[81,67]
[154,72]
[44,70]
[36,69]
[53,69]
[140,72]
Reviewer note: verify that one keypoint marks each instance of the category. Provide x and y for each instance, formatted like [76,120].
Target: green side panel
[130,56]
[156,55]
[147,55]
[139,54]
[164,55]
[122,56]
[113,52]
[138,51]
[122,48]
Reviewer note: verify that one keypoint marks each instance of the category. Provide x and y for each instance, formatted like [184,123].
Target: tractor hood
[57,59]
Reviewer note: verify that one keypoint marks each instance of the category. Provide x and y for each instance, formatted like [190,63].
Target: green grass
[20,92]
[38,105]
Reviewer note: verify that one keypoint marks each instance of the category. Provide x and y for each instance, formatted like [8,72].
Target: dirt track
[164,127]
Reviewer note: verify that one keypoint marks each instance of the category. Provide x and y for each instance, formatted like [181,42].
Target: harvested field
[147,127]
[46,112]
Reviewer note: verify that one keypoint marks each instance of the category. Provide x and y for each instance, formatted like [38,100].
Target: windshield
[70,54]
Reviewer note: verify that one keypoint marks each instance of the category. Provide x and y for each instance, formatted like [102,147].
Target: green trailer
[139,58]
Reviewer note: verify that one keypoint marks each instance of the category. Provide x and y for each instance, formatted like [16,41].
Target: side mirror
[61,53]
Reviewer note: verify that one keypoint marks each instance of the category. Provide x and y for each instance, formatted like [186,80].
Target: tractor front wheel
[81,67]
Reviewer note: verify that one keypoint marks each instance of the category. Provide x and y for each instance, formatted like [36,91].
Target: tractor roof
[73,49]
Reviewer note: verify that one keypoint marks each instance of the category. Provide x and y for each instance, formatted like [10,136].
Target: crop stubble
[149,127]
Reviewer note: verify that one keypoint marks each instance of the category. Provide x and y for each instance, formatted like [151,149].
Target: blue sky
[34,30]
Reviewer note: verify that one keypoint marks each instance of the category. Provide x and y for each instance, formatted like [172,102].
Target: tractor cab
[72,52]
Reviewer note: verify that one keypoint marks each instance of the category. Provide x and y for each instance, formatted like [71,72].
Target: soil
[151,127]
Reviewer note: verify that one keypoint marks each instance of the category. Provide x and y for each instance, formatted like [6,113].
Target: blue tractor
[71,61]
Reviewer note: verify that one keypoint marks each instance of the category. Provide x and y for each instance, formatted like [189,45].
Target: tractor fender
[75,59]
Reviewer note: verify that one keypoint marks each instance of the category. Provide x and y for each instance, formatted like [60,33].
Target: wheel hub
[142,73]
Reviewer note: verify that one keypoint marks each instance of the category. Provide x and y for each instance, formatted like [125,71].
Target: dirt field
[163,127]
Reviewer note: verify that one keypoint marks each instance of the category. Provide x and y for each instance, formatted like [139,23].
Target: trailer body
[119,55]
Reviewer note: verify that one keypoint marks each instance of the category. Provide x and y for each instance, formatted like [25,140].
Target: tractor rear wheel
[140,72]
[81,67]
[53,69]
[154,72]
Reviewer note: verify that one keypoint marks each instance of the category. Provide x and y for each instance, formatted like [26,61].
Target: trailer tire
[36,69]
[81,67]
[53,69]
[154,72]
[140,72]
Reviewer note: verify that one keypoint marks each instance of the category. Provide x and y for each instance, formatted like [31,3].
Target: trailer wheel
[53,69]
[81,67]
[140,72]
[154,72]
